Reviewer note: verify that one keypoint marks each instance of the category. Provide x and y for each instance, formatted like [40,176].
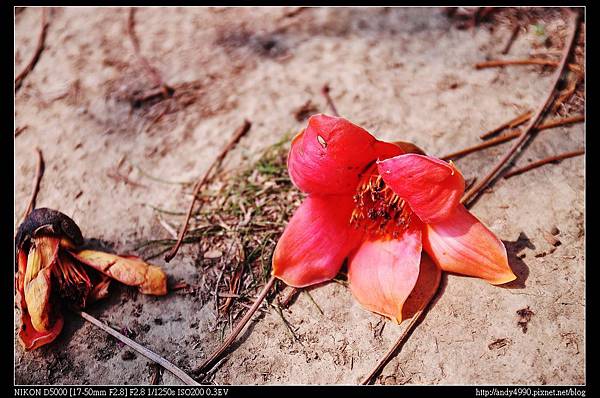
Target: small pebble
[128,355]
[212,254]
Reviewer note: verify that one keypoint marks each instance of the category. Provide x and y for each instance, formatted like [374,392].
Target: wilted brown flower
[52,271]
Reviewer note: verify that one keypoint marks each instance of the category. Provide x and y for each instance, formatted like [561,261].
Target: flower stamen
[378,210]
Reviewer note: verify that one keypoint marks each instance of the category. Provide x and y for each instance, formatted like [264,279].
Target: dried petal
[42,254]
[37,286]
[20,278]
[129,270]
[31,339]
[37,297]
[100,289]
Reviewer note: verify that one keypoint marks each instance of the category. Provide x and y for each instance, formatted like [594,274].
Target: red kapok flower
[373,203]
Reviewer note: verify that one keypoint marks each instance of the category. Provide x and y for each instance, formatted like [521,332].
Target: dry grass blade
[202,182]
[141,349]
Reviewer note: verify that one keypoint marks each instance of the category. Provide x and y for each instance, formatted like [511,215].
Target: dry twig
[497,63]
[165,90]
[504,62]
[141,349]
[542,162]
[512,135]
[510,124]
[36,184]
[471,193]
[19,130]
[399,343]
[325,91]
[511,40]
[37,53]
[289,297]
[567,93]
[204,367]
[204,180]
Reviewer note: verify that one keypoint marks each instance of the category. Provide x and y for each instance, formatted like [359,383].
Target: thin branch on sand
[36,54]
[542,162]
[325,91]
[36,184]
[482,183]
[165,89]
[512,135]
[139,348]
[203,181]
[206,365]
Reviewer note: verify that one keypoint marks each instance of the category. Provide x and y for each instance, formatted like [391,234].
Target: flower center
[378,210]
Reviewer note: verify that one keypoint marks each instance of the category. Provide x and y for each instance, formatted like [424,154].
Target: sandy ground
[401,73]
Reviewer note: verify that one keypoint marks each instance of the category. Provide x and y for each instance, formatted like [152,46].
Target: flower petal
[431,186]
[37,284]
[31,339]
[129,270]
[316,241]
[462,244]
[382,273]
[409,147]
[37,296]
[426,286]
[329,156]
[100,289]
[20,278]
[42,254]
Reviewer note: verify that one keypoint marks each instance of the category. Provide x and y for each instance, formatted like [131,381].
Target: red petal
[329,156]
[431,186]
[31,339]
[316,241]
[462,244]
[426,286]
[382,273]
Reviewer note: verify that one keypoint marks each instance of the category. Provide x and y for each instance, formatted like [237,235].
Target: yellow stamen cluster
[378,209]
